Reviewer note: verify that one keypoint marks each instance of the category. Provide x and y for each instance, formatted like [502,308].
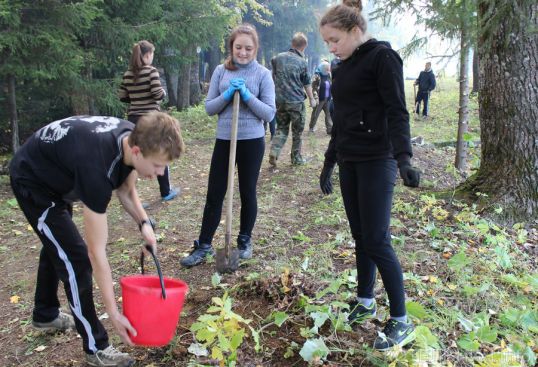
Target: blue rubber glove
[237,82]
[229,93]
[244,92]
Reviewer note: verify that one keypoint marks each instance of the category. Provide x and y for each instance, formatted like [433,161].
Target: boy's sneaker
[110,357]
[395,333]
[359,312]
[63,322]
[171,195]
[272,161]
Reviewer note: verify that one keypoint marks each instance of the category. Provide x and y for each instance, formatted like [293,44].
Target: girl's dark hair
[139,50]
[244,28]
[345,16]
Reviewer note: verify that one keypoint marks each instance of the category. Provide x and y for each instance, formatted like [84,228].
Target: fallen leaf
[40,348]
[14,299]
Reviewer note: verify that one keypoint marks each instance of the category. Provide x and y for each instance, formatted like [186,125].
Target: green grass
[442,125]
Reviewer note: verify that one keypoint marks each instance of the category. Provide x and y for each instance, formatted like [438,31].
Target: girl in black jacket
[370,139]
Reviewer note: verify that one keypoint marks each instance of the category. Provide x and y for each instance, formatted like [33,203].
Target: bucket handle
[157,264]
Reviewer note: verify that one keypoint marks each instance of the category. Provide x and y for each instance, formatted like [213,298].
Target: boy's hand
[123,327]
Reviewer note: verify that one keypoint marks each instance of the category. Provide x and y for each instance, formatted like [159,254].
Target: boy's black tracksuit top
[370,117]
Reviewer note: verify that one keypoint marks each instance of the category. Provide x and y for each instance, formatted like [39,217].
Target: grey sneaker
[244,244]
[359,312]
[109,357]
[395,333]
[272,160]
[198,254]
[63,322]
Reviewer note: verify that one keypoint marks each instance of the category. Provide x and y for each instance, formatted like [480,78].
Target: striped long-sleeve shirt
[143,95]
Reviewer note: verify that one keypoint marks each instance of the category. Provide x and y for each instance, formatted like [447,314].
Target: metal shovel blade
[227,262]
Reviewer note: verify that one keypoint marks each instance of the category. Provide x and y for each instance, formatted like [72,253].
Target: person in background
[141,88]
[87,158]
[370,139]
[292,80]
[239,73]
[426,83]
[321,85]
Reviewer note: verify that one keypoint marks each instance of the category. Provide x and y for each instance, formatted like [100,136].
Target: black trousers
[367,189]
[164,180]
[64,257]
[249,156]
[422,96]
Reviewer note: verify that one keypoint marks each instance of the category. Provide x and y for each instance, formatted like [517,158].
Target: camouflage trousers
[287,114]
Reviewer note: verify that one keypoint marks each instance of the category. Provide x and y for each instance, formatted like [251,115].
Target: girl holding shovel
[242,73]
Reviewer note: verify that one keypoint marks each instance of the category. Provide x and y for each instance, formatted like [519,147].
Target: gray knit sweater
[259,108]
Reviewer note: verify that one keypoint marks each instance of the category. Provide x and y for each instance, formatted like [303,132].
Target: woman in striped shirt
[141,88]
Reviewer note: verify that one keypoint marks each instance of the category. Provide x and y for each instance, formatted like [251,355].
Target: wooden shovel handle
[231,173]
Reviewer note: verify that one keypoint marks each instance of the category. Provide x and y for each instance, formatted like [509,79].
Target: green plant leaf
[237,339]
[319,319]
[256,336]
[216,353]
[486,334]
[215,280]
[468,343]
[416,310]
[503,258]
[205,335]
[12,203]
[280,318]
[425,339]
[224,343]
[313,348]
[458,261]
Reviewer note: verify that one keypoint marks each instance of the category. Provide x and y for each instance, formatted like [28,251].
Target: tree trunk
[508,110]
[214,58]
[184,81]
[463,120]
[476,71]
[195,91]
[12,108]
[171,77]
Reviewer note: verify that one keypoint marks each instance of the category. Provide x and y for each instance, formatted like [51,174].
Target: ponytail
[136,62]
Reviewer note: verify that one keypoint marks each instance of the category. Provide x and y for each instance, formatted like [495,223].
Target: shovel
[227,258]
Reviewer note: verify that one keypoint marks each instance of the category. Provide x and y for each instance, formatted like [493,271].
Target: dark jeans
[164,180]
[422,97]
[367,189]
[249,156]
[64,257]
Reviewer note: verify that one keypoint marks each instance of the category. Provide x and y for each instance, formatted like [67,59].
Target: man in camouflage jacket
[292,80]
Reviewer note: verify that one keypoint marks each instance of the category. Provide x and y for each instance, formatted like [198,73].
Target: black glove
[325,178]
[409,174]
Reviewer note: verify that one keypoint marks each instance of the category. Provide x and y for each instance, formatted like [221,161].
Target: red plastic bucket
[152,304]
[154,318]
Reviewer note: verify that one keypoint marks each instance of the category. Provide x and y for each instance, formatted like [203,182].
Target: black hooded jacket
[370,117]
[426,81]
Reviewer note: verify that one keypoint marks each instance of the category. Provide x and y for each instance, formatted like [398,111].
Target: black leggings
[164,180]
[249,156]
[367,189]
